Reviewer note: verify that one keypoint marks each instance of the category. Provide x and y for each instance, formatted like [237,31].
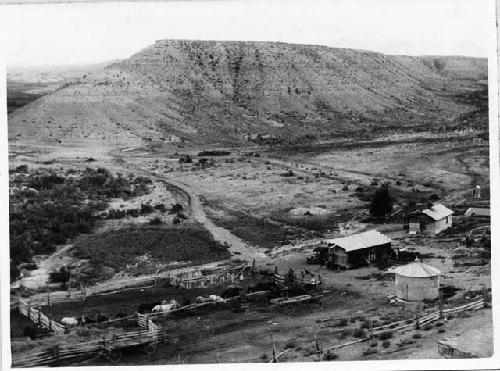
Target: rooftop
[416,269]
[476,211]
[360,241]
[437,212]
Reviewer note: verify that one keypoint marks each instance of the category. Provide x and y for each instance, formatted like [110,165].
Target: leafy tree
[382,202]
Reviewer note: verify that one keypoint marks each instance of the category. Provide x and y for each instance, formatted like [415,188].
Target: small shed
[359,249]
[476,211]
[433,220]
[416,281]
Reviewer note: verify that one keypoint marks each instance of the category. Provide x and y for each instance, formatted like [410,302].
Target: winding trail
[238,248]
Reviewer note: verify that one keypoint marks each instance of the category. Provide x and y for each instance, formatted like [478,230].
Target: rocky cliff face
[208,92]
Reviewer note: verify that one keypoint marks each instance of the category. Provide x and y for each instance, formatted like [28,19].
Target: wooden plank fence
[149,333]
[39,318]
[183,280]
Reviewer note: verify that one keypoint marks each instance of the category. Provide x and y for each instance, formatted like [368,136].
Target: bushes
[116,249]
[385,335]
[341,323]
[290,344]
[359,333]
[417,335]
[61,207]
[386,344]
[330,356]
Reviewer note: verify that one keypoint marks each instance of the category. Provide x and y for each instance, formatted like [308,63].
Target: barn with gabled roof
[359,249]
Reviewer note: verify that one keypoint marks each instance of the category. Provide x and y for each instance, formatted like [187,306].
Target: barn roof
[416,269]
[360,241]
[437,212]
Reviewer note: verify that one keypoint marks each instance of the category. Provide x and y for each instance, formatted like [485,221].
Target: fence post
[147,322]
[318,348]
[417,318]
[485,297]
[274,351]
[440,305]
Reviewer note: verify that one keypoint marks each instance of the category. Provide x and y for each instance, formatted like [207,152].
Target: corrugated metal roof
[477,211]
[438,212]
[360,241]
[416,269]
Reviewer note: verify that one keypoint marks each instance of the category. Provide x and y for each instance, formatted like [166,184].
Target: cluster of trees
[46,208]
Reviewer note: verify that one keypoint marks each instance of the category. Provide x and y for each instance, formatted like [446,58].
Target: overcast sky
[87,33]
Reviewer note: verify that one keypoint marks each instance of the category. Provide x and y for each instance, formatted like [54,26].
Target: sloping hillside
[208,92]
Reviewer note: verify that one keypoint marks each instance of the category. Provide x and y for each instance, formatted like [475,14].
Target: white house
[440,219]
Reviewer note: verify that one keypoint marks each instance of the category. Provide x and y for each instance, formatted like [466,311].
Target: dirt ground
[258,187]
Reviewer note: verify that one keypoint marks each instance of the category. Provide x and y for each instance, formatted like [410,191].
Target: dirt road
[238,248]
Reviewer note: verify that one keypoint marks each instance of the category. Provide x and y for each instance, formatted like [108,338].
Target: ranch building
[359,250]
[477,211]
[431,221]
[416,281]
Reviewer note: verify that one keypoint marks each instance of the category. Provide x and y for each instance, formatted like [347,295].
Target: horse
[215,298]
[166,307]
[70,321]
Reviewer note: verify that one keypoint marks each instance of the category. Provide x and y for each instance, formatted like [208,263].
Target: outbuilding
[477,211]
[358,250]
[416,281]
[433,220]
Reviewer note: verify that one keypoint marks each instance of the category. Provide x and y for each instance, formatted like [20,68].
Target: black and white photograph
[227,182]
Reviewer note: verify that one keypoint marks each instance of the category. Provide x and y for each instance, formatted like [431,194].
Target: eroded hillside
[233,93]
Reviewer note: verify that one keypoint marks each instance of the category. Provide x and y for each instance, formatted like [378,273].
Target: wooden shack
[359,250]
[433,220]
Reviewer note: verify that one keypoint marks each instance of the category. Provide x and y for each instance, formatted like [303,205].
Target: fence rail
[149,333]
[39,318]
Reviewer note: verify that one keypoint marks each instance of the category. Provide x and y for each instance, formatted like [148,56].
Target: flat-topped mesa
[228,92]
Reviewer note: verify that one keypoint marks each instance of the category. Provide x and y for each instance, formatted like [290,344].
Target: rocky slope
[226,93]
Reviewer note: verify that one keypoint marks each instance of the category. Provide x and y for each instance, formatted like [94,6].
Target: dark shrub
[155,221]
[359,333]
[417,336]
[330,356]
[385,335]
[386,344]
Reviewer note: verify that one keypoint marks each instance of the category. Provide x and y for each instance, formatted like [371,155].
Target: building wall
[439,225]
[417,288]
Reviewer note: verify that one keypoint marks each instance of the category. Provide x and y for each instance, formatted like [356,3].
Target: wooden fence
[418,322]
[150,333]
[183,280]
[39,318]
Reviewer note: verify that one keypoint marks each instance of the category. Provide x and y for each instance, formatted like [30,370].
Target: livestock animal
[201,299]
[231,292]
[102,318]
[166,307]
[215,298]
[88,319]
[147,307]
[35,332]
[70,321]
